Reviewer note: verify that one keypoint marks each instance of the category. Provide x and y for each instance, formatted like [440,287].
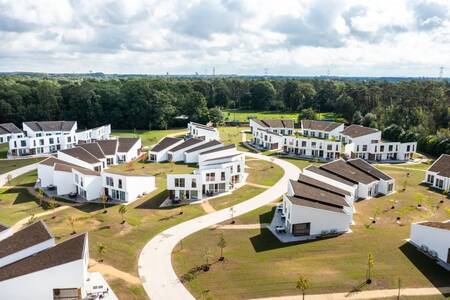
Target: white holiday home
[433,238]
[192,155]
[312,147]
[321,129]
[9,131]
[126,187]
[33,266]
[438,174]
[176,154]
[205,132]
[267,139]
[312,207]
[94,134]
[159,152]
[281,126]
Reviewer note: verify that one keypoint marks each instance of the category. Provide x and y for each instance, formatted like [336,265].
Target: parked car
[280,229]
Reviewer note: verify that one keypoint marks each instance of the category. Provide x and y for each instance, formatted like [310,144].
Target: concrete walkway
[241,226]
[207,207]
[155,261]
[375,294]
[258,185]
[16,173]
[110,271]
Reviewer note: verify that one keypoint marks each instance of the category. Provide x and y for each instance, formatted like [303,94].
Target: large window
[120,183]
[109,181]
[179,182]
[210,176]
[222,176]
[194,183]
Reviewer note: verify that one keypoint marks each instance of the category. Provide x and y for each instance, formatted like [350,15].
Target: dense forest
[405,110]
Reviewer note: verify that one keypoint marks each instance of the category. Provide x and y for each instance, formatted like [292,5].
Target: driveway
[155,261]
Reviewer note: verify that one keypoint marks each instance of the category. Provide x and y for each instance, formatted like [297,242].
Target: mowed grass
[244,115]
[16,204]
[232,135]
[12,164]
[149,137]
[241,194]
[3,150]
[27,179]
[263,172]
[257,265]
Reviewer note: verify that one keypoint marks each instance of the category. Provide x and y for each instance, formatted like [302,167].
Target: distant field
[149,137]
[3,150]
[244,115]
[8,165]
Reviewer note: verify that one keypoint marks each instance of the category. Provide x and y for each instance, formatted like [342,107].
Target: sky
[247,37]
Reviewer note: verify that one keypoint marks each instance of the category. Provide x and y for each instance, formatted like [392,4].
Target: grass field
[149,137]
[27,179]
[263,172]
[16,204]
[244,115]
[8,165]
[257,265]
[3,150]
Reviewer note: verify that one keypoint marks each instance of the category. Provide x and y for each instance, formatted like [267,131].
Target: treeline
[420,109]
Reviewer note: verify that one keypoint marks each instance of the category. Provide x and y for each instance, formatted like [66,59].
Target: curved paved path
[155,261]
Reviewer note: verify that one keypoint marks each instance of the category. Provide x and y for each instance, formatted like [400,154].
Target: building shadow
[154,202]
[267,217]
[437,275]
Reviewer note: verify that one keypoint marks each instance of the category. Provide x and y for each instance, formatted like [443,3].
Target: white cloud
[307,37]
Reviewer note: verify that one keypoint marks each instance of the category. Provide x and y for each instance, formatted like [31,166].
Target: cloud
[430,15]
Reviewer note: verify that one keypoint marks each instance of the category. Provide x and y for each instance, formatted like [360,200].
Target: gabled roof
[7,128]
[269,132]
[94,149]
[347,171]
[223,157]
[441,166]
[225,147]
[27,237]
[51,125]
[322,185]
[185,144]
[315,204]
[109,147]
[324,173]
[81,154]
[165,143]
[51,161]
[126,143]
[440,225]
[368,168]
[62,253]
[203,126]
[320,125]
[307,191]
[3,227]
[204,146]
[275,123]
[69,168]
[355,131]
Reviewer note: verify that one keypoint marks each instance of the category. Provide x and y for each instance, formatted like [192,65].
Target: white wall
[45,175]
[133,186]
[63,182]
[5,233]
[435,239]
[192,157]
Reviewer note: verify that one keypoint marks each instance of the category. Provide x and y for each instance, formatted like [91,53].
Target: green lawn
[8,165]
[232,135]
[263,172]
[16,204]
[238,196]
[244,115]
[257,265]
[149,137]
[3,150]
[27,179]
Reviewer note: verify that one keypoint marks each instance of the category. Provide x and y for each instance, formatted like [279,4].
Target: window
[390,187]
[179,182]
[239,168]
[38,134]
[120,183]
[81,181]
[194,183]
[122,195]
[357,148]
[381,148]
[408,148]
[439,183]
[109,181]
[326,135]
[210,176]
[23,143]
[364,148]
[69,139]
[77,179]
[329,147]
[430,178]
[313,144]
[391,148]
[51,141]
[41,142]
[222,176]
[303,143]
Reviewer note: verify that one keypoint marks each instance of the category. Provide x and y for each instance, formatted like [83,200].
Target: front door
[106,192]
[301,229]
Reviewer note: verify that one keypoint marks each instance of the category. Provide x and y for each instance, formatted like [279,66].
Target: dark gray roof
[62,253]
[347,171]
[315,204]
[165,143]
[440,225]
[368,168]
[324,173]
[225,147]
[269,131]
[319,125]
[354,131]
[94,149]
[51,125]
[109,147]
[203,126]
[126,143]
[276,123]
[81,154]
[441,166]
[29,236]
[322,185]
[307,191]
[3,227]
[204,146]
[185,144]
[68,168]
[7,128]
[223,157]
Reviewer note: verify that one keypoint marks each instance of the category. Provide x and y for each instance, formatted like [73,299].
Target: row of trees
[417,107]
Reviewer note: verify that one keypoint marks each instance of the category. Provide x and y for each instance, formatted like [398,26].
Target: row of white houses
[82,173]
[324,140]
[322,200]
[47,137]
[34,266]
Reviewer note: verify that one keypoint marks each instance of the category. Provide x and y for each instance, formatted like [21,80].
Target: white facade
[434,240]
[267,139]
[271,125]
[322,134]
[312,147]
[178,155]
[209,133]
[89,187]
[129,155]
[126,188]
[162,155]
[193,156]
[438,174]
[94,134]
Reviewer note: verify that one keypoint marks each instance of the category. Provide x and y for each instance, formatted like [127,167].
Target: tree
[52,204]
[370,264]
[216,116]
[41,196]
[104,200]
[101,250]
[357,118]
[31,219]
[123,211]
[370,120]
[307,114]
[303,284]
[71,221]
[221,244]
[262,94]
[392,132]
